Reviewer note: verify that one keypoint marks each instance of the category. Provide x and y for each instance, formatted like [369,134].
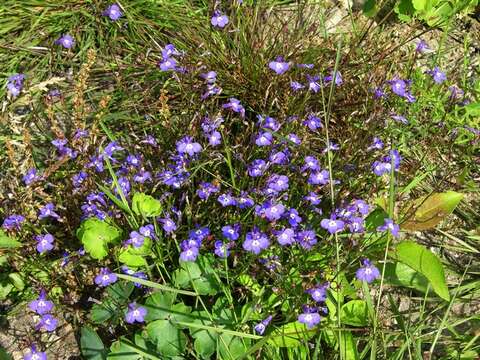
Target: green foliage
[169,339]
[291,335]
[96,235]
[355,313]
[146,205]
[111,307]
[7,242]
[135,257]
[426,263]
[91,345]
[199,276]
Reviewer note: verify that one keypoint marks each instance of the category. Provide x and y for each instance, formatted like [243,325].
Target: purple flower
[279,157]
[422,47]
[199,233]
[47,322]
[135,313]
[188,146]
[168,225]
[277,183]
[147,231]
[113,12]
[214,138]
[332,225]
[35,355]
[398,87]
[227,200]
[168,64]
[377,144]
[139,275]
[455,93]
[257,168]
[136,239]
[319,293]
[279,65]
[13,222]
[105,277]
[296,86]
[356,225]
[244,201]
[268,123]
[399,118]
[189,254]
[379,93]
[319,178]
[133,160]
[261,326]
[44,243]
[41,305]
[395,155]
[380,168]
[362,207]
[169,50]
[313,84]
[311,163]
[235,105]
[293,218]
[31,176]
[273,211]
[264,139]
[437,76]
[219,19]
[142,176]
[222,250]
[331,147]
[313,198]
[390,226]
[79,178]
[97,162]
[307,239]
[15,84]
[310,319]
[66,41]
[150,140]
[286,236]
[255,241]
[313,122]
[338,78]
[48,211]
[368,272]
[210,77]
[231,232]
[294,139]
[206,189]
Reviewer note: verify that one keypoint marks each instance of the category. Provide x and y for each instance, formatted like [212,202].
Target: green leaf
[472,109]
[375,219]
[134,257]
[95,236]
[354,313]
[5,288]
[419,4]
[101,313]
[426,212]
[205,342]
[232,347]
[17,280]
[291,335]
[369,8]
[4,355]
[7,242]
[120,291]
[425,262]
[200,273]
[400,274]
[91,345]
[158,305]
[120,351]
[169,339]
[348,348]
[146,205]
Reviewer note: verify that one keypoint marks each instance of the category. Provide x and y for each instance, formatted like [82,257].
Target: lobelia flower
[279,65]
[273,211]
[235,105]
[422,47]
[231,232]
[356,225]
[133,160]
[313,198]
[139,275]
[142,176]
[286,236]
[331,147]
[147,231]
[222,250]
[319,178]
[271,263]
[262,325]
[277,182]
[338,78]
[311,162]
[313,84]
[124,185]
[367,272]
[399,118]
[199,233]
[256,241]
[31,176]
[332,225]
[170,50]
[105,277]
[376,145]
[399,87]
[379,93]
[310,319]
[66,41]
[168,225]
[219,19]
[380,168]
[210,76]
[226,200]
[136,239]
[313,122]
[206,189]
[113,12]
[47,322]
[34,354]
[189,254]
[268,123]
[79,178]
[437,76]
[97,163]
[390,226]
[279,157]
[48,211]
[307,239]
[296,86]
[294,139]
[319,293]
[305,66]
[150,140]
[135,313]
[257,168]
[187,146]
[15,84]
[264,139]
[168,64]
[214,138]
[13,222]
[244,201]
[41,305]
[111,148]
[293,218]
[44,243]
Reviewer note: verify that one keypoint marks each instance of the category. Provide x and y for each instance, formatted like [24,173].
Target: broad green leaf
[146,205]
[247,281]
[158,305]
[206,285]
[120,351]
[205,342]
[400,274]
[348,348]
[201,275]
[17,280]
[425,262]
[120,291]
[169,339]
[369,8]
[4,355]
[355,313]
[95,236]
[419,4]
[426,212]
[291,335]
[91,345]
[101,312]
[7,242]
[472,109]
[134,257]
[375,219]
[232,347]
[5,288]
